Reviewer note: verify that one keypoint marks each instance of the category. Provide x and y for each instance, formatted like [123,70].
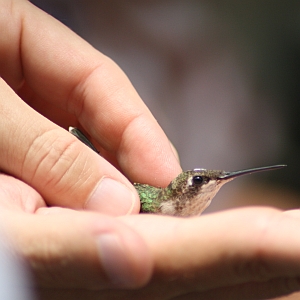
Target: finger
[15,195]
[63,170]
[249,291]
[43,245]
[74,250]
[293,213]
[61,68]
[225,249]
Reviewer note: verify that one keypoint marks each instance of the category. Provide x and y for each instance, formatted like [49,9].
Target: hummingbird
[189,194]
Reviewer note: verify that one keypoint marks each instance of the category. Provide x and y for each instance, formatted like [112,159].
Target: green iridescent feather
[149,197]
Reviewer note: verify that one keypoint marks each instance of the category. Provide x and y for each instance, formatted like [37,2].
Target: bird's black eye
[197,180]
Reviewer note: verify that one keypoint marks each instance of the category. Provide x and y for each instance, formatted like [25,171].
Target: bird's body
[188,194]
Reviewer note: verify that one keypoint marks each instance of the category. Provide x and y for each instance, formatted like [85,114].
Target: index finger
[232,252]
[61,68]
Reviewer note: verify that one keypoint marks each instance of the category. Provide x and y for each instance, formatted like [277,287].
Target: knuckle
[257,264]
[53,162]
[253,268]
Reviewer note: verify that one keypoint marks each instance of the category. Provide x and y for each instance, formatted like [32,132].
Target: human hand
[68,249]
[70,83]
[249,253]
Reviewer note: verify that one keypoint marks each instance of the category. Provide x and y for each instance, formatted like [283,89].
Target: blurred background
[15,280]
[221,77]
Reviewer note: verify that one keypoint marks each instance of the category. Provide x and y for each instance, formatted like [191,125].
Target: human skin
[82,242]
[52,77]
[248,253]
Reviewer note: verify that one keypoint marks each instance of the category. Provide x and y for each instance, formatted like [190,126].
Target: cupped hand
[249,253]
[69,249]
[51,78]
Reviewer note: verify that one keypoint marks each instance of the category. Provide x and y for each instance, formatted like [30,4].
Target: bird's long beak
[231,175]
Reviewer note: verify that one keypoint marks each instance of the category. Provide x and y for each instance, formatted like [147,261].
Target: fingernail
[114,260]
[111,197]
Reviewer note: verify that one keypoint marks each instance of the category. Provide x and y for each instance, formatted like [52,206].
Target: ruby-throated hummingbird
[189,194]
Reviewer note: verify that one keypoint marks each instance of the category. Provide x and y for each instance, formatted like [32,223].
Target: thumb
[63,170]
